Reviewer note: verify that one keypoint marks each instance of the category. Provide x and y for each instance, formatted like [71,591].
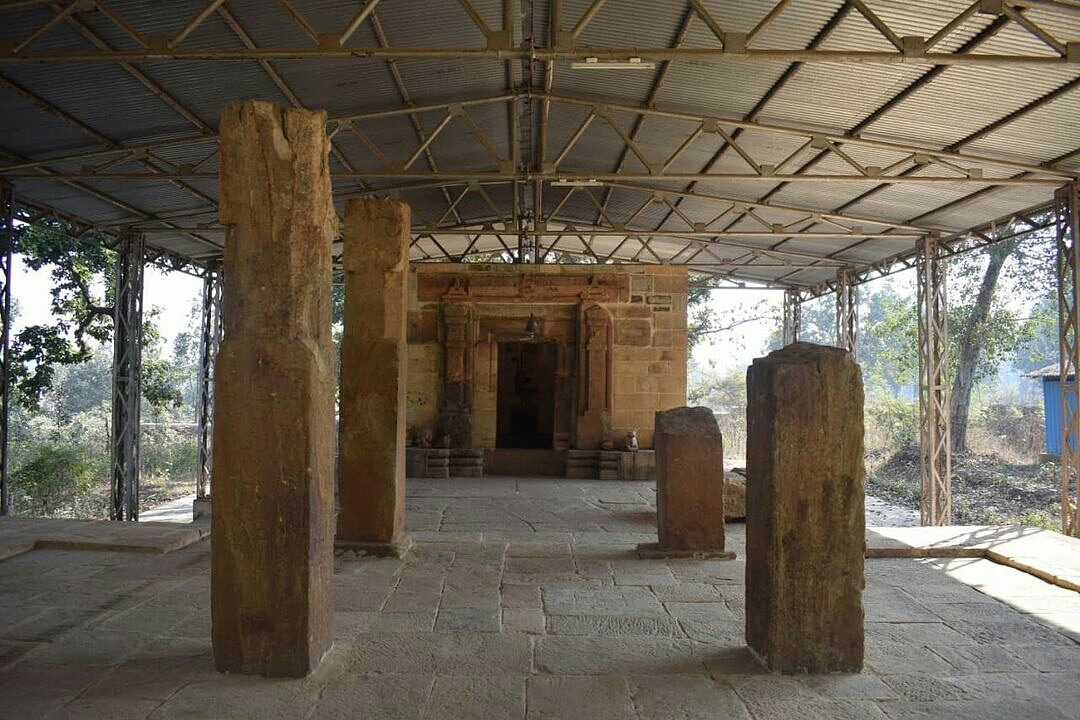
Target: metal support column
[127,366]
[208,348]
[935,457]
[1067,217]
[7,241]
[847,313]
[792,317]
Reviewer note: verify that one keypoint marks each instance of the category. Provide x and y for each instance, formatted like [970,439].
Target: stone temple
[491,499]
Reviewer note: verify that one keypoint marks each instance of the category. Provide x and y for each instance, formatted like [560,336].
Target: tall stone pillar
[272,528]
[371,439]
[804,510]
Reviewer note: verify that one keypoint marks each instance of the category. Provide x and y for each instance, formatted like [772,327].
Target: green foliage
[891,423]
[54,475]
[81,297]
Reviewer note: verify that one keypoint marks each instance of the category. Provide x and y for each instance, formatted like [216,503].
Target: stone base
[653,551]
[398,548]
[201,510]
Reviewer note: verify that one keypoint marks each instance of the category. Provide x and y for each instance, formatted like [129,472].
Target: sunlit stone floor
[524,599]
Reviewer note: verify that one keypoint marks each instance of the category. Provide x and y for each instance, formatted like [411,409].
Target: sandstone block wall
[647,355]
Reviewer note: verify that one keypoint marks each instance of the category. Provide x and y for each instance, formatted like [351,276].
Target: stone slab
[689,480]
[19,535]
[1046,554]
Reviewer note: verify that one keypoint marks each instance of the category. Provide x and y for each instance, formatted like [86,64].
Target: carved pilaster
[594,389]
[456,407]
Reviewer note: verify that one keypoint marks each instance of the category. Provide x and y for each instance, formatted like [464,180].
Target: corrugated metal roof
[947,107]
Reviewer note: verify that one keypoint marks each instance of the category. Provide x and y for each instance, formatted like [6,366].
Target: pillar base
[653,551]
[201,510]
[396,548]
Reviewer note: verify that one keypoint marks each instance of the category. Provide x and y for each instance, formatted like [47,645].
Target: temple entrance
[526,395]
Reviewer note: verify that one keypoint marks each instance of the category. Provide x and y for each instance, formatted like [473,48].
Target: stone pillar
[455,415]
[371,440]
[594,391]
[804,510]
[689,485]
[272,528]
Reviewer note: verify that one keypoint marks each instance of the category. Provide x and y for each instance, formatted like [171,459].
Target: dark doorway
[526,398]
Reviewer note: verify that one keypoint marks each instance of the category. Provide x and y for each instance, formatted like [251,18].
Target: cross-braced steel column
[1067,216]
[7,241]
[208,348]
[847,313]
[935,458]
[127,366]
[792,317]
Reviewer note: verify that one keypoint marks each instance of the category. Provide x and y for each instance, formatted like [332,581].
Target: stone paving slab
[19,535]
[1045,554]
[551,632]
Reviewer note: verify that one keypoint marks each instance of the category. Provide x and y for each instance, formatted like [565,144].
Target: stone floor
[524,599]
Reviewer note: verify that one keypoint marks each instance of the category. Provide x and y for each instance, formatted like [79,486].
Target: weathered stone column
[804,510]
[371,432]
[689,484]
[272,532]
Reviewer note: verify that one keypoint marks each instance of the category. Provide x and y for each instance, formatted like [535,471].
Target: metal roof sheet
[1022,113]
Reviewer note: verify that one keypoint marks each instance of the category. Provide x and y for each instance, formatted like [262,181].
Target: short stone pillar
[272,529]
[689,485]
[371,427]
[805,518]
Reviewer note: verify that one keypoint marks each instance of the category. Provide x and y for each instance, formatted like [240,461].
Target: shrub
[56,476]
[891,423]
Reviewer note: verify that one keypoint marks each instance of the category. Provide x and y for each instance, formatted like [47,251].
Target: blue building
[1054,418]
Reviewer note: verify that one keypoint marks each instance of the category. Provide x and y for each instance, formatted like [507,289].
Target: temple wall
[620,332]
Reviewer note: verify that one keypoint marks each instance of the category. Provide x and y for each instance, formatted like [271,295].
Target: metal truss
[333,43]
[209,342]
[792,320]
[7,241]
[1067,233]
[1015,226]
[948,166]
[98,234]
[935,457]
[874,163]
[127,382]
[847,313]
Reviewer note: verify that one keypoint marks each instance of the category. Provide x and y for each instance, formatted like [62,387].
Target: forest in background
[1002,324]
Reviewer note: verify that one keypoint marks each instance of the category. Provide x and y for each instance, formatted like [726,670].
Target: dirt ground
[986,490]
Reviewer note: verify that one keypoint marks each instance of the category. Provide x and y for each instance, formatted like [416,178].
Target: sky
[173,292]
[736,349]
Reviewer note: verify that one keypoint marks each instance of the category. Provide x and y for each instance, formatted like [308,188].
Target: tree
[702,321]
[81,303]
[82,297]
[988,328]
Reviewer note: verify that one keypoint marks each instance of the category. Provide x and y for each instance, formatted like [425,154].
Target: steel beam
[610,54]
[935,456]
[792,317]
[209,342]
[127,369]
[847,312]
[1067,234]
[7,241]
